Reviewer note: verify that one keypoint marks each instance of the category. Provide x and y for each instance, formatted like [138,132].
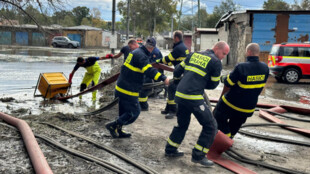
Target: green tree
[7,13]
[147,16]
[34,12]
[224,7]
[304,5]
[212,20]
[67,21]
[276,5]
[79,13]
[58,16]
[85,21]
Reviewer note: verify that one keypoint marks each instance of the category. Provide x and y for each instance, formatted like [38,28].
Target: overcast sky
[105,6]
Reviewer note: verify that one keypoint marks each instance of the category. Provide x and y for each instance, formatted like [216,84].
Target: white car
[63,41]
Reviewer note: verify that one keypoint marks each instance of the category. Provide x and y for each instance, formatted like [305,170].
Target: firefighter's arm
[225,90]
[214,78]
[172,56]
[149,71]
[117,55]
[232,78]
[179,70]
[71,76]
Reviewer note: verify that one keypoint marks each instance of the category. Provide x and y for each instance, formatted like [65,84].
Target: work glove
[108,56]
[222,78]
[176,80]
[70,78]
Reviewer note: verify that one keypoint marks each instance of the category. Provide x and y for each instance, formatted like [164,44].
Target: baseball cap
[151,41]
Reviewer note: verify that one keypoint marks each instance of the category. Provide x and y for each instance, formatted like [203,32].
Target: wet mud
[149,133]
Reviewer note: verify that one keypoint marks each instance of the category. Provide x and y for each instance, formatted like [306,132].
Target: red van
[289,62]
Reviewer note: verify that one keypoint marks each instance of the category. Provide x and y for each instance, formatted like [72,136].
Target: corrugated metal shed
[38,39]
[22,38]
[299,28]
[5,38]
[263,31]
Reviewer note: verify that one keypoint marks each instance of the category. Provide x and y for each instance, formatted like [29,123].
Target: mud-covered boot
[112,127]
[172,112]
[200,157]
[175,153]
[144,106]
[122,133]
[204,161]
[166,111]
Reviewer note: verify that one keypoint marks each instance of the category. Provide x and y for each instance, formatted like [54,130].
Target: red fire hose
[111,80]
[37,158]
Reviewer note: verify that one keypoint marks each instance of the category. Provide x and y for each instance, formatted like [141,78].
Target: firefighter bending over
[92,74]
[201,70]
[129,84]
[240,94]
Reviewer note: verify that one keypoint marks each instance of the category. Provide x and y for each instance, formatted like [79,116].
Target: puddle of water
[263,145]
[19,72]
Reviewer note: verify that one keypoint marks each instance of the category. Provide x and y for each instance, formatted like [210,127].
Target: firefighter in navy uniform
[240,94]
[200,71]
[144,93]
[177,55]
[130,83]
[132,45]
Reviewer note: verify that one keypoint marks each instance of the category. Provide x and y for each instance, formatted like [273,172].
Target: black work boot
[144,106]
[200,157]
[204,161]
[166,111]
[112,127]
[175,153]
[122,133]
[172,112]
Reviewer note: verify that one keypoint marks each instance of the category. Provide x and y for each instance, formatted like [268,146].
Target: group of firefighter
[194,72]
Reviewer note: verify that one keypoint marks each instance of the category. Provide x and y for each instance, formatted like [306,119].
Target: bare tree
[21,5]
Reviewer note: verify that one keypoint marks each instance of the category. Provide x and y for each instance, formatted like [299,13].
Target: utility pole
[199,23]
[113,27]
[180,15]
[171,26]
[128,10]
[193,15]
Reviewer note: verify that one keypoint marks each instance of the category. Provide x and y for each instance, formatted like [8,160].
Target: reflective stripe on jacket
[201,71]
[132,73]
[177,55]
[246,82]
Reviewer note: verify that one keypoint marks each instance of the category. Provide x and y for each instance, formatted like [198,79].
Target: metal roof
[206,30]
[82,27]
[227,15]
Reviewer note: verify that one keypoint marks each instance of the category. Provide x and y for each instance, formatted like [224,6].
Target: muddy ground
[146,146]
[150,132]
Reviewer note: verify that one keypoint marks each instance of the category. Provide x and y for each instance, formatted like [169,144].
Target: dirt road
[150,132]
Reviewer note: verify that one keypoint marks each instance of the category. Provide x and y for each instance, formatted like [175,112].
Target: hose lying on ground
[232,153]
[121,155]
[114,102]
[79,154]
[107,107]
[276,139]
[287,116]
[84,155]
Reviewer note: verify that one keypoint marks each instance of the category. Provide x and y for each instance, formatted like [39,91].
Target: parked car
[289,62]
[63,41]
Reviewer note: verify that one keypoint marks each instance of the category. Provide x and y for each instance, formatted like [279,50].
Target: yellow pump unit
[51,84]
